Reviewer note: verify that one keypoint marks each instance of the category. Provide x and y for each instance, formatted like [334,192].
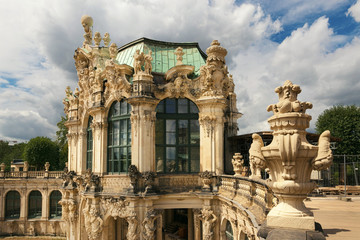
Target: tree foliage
[10,152]
[40,150]
[62,142]
[344,123]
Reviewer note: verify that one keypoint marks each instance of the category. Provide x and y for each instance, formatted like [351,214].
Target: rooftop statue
[87,23]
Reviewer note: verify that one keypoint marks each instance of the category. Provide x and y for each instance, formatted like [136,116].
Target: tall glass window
[229,231]
[35,204]
[119,138]
[55,207]
[89,144]
[12,205]
[177,136]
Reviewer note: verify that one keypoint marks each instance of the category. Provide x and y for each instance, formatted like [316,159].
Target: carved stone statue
[148,58]
[237,163]
[97,39]
[257,161]
[106,39]
[179,53]
[132,229]
[324,158]
[96,223]
[142,60]
[288,100]
[26,166]
[208,221]
[149,225]
[138,61]
[113,51]
[87,23]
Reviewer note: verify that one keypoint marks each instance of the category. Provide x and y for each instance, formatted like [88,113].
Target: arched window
[119,138]
[35,204]
[229,231]
[55,207]
[89,144]
[177,136]
[12,205]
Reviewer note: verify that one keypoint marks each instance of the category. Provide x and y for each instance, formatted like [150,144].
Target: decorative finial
[87,23]
[97,39]
[106,39]
[179,53]
[113,50]
[216,52]
[288,101]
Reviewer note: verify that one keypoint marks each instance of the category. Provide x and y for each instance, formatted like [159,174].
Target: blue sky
[315,44]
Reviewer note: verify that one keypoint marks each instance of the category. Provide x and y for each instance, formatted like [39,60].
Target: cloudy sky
[315,44]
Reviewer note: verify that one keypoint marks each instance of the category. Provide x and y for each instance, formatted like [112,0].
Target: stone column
[23,204]
[45,205]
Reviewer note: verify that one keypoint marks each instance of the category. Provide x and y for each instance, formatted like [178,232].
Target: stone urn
[290,159]
[238,164]
[206,178]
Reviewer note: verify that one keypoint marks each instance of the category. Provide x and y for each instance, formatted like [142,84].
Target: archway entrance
[117,229]
[178,224]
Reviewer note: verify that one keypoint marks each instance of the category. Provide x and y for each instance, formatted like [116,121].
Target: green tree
[10,152]
[62,142]
[40,150]
[344,123]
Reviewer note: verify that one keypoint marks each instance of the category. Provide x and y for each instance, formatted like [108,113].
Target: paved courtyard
[339,219]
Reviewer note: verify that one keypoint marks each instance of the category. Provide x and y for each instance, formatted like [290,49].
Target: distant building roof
[163,54]
[17,161]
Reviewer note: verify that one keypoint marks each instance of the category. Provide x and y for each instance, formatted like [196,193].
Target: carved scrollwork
[208,122]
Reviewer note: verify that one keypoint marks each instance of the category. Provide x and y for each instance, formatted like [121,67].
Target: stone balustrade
[255,195]
[32,174]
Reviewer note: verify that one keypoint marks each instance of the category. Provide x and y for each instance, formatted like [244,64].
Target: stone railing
[32,174]
[252,194]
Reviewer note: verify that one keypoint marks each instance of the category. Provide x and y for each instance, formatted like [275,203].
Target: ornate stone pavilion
[148,127]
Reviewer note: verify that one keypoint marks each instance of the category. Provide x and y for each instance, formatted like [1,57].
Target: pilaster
[99,129]
[211,119]
[143,119]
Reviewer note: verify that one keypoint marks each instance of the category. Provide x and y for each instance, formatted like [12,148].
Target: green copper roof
[163,54]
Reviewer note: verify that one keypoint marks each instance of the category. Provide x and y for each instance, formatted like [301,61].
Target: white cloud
[354,11]
[40,38]
[307,58]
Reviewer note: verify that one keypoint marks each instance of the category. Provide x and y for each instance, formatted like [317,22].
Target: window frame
[89,144]
[12,205]
[57,213]
[162,146]
[122,118]
[35,204]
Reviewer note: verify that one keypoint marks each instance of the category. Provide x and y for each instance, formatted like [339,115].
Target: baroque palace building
[148,145]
